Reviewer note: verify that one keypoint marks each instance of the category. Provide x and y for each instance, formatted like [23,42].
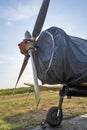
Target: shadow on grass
[25,121]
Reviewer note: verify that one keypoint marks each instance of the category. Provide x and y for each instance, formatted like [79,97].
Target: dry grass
[18,112]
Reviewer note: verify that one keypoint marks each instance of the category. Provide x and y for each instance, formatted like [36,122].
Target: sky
[17,16]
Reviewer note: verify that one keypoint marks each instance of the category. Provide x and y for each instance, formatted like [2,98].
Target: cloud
[5,59]
[20,12]
[8,23]
[84,37]
[1,62]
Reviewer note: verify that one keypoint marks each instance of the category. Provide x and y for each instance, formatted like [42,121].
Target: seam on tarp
[52,52]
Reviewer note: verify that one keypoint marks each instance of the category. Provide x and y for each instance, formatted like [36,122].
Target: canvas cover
[61,58]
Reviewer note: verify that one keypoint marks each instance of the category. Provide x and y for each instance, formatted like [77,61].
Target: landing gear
[52,118]
[55,115]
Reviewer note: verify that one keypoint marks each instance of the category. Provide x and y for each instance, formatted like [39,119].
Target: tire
[52,118]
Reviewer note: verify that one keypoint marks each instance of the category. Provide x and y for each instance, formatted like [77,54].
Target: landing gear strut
[54,115]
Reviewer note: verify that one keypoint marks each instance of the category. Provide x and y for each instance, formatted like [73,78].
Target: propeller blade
[36,86]
[22,68]
[41,18]
[27,35]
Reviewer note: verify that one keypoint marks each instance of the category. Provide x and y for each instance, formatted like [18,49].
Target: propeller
[36,86]
[27,46]
[41,18]
[22,68]
[27,36]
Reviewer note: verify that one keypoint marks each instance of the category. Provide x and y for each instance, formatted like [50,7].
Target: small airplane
[57,58]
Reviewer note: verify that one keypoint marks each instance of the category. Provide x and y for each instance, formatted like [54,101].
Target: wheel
[52,118]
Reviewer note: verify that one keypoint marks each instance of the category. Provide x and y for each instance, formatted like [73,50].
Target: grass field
[18,112]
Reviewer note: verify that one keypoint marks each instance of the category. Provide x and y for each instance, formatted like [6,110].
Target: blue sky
[17,16]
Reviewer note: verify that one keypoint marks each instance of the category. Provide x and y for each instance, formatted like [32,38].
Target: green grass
[16,91]
[18,112]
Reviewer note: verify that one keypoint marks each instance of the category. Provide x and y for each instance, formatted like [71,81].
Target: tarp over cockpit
[61,58]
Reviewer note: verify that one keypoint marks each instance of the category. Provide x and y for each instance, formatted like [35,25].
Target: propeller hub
[23,47]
